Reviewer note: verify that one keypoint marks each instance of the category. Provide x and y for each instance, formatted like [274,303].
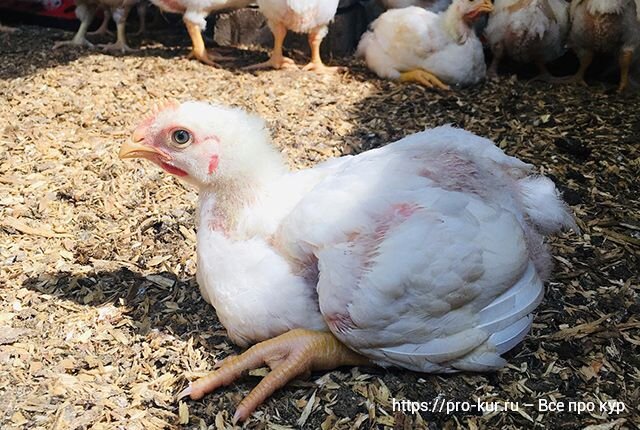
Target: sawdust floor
[101,322]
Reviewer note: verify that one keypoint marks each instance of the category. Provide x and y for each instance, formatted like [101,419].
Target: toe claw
[237,416]
[184,393]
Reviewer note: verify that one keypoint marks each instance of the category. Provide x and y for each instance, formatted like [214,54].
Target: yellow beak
[486,6]
[137,150]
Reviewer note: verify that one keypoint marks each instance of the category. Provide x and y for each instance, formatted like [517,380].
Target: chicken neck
[455,26]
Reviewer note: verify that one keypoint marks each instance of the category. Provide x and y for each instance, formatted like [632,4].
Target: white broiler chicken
[426,254]
[416,45]
[194,14]
[301,16]
[529,31]
[605,26]
[86,10]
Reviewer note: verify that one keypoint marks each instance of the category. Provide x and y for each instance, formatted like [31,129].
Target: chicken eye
[181,137]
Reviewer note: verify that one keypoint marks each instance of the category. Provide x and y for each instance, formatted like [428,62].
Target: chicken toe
[424,78]
[198,51]
[277,60]
[289,355]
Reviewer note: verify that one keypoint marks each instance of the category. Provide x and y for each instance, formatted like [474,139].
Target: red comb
[157,108]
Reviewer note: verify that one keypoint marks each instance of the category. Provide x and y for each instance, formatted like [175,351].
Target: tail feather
[544,206]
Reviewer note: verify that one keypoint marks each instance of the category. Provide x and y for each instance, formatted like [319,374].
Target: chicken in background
[528,31]
[432,5]
[301,16]
[86,10]
[194,14]
[425,254]
[415,45]
[604,27]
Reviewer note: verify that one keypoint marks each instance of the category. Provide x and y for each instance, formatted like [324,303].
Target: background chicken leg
[85,14]
[198,50]
[626,58]
[289,355]
[315,40]
[277,60]
[104,26]
[120,17]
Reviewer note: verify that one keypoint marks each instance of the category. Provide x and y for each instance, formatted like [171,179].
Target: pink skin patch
[405,209]
[399,213]
[173,170]
[213,163]
[339,323]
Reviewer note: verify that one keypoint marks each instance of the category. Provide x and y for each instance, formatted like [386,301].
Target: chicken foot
[586,58]
[120,17]
[315,40]
[424,78]
[277,60]
[104,26]
[85,14]
[292,354]
[198,50]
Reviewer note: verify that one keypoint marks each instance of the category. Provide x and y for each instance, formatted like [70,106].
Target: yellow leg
[625,63]
[316,64]
[198,50]
[277,59]
[423,77]
[295,353]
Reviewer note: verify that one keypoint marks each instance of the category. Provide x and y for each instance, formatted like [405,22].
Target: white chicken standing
[301,16]
[194,14]
[416,45]
[528,31]
[426,254]
[86,10]
[605,26]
